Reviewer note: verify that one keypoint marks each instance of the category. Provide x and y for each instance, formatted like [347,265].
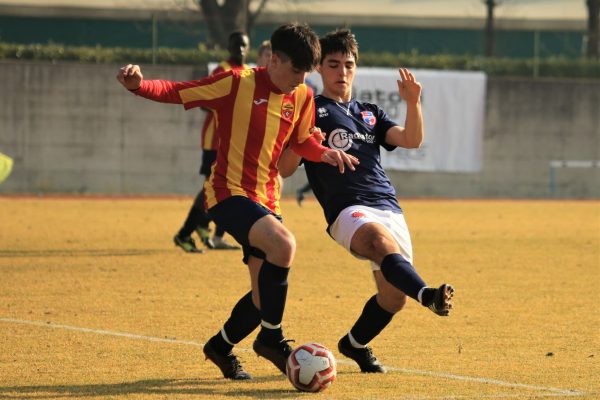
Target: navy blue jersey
[358,129]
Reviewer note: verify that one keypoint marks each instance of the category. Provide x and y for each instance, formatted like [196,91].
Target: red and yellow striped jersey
[209,139]
[256,121]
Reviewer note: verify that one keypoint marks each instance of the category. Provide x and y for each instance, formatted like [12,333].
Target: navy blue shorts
[236,215]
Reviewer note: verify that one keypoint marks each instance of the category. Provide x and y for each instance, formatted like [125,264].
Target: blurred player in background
[264,54]
[361,209]
[259,111]
[6,164]
[300,193]
[197,218]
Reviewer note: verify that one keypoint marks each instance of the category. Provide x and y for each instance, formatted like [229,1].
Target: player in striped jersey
[361,209]
[260,112]
[197,218]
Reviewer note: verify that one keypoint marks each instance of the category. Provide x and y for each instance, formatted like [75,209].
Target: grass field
[95,302]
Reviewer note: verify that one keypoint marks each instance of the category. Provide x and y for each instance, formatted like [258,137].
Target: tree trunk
[593,45]
[231,16]
[489,28]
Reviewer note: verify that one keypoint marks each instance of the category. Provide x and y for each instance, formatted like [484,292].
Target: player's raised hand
[339,158]
[130,76]
[408,87]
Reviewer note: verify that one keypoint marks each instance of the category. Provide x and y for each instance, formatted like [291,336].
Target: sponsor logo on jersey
[340,139]
[287,110]
[368,117]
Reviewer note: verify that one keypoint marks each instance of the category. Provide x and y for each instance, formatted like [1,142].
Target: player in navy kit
[361,209]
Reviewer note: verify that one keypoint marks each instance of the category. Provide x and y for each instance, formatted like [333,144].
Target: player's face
[284,75]
[337,72]
[264,58]
[238,48]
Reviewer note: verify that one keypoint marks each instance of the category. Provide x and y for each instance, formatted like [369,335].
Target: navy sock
[273,285]
[244,319]
[371,322]
[400,273]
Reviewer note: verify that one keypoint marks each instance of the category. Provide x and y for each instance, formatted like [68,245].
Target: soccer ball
[311,367]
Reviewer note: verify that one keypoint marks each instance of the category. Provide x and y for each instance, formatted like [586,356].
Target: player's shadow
[165,387]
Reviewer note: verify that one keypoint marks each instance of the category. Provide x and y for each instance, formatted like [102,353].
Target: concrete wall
[73,128]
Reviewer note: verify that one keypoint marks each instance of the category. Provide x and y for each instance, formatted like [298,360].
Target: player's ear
[319,68]
[275,60]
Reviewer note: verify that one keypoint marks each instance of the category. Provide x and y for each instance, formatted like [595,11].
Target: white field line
[553,391]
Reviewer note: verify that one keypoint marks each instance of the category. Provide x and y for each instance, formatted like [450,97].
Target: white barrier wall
[73,128]
[453,106]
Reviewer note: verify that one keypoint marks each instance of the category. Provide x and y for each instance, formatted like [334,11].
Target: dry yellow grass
[75,273]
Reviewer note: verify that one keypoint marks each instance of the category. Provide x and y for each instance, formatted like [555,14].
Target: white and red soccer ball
[311,367]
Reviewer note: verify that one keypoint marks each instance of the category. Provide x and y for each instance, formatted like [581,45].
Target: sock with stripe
[402,275]
[273,285]
[371,322]
[244,319]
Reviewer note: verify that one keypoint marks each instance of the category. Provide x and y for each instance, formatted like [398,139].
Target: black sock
[273,285]
[244,319]
[371,322]
[400,273]
[219,344]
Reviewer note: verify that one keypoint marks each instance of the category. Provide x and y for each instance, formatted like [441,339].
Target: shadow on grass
[160,387]
[79,253]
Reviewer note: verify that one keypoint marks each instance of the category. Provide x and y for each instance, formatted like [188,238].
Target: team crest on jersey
[287,110]
[368,117]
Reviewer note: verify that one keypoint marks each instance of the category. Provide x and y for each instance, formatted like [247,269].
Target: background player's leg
[183,238]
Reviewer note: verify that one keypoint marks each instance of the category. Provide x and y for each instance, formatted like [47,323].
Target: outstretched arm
[130,76]
[312,150]
[411,135]
[289,161]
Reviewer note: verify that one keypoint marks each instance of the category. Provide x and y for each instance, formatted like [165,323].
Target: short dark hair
[339,41]
[299,43]
[234,35]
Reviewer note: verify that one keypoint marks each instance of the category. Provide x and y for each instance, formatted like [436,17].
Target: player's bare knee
[381,245]
[283,250]
[392,300]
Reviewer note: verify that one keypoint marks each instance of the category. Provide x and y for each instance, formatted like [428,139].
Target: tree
[593,45]
[229,16]
[489,27]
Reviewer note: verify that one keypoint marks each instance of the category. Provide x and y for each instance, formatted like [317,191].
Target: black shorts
[208,158]
[237,215]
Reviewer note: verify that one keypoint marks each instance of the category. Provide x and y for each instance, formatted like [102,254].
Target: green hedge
[549,67]
[108,55]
